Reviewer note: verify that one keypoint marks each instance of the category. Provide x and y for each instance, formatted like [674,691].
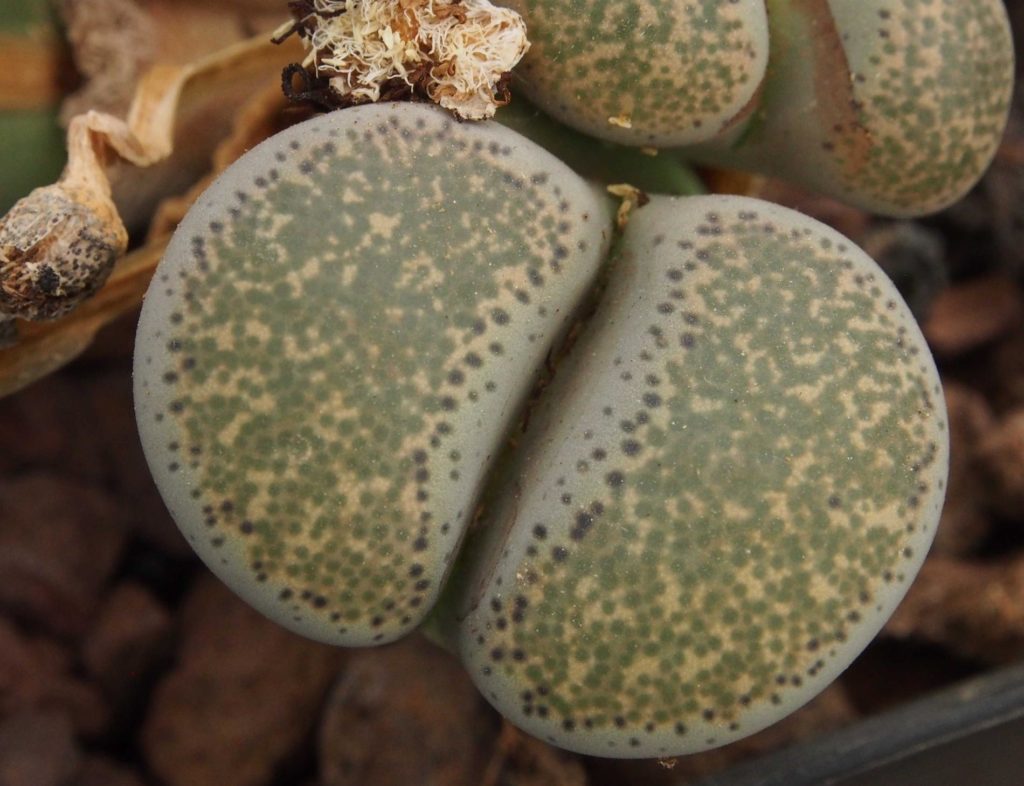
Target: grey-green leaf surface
[896,106]
[644,72]
[335,344]
[721,497]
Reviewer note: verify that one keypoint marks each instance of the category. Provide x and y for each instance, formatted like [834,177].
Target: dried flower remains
[457,53]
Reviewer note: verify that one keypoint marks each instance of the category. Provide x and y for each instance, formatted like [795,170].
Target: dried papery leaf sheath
[59,243]
[721,497]
[456,52]
[896,106]
[653,72]
[339,337]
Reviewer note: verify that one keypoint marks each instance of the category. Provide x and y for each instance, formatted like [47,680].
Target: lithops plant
[722,485]
[896,106]
[901,110]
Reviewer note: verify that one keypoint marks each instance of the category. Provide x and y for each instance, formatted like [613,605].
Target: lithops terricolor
[896,106]
[699,522]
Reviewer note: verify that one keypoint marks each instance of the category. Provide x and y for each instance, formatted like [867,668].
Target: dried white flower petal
[456,51]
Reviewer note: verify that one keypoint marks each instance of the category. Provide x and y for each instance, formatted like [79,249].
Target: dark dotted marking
[652,400]
[500,317]
[584,521]
[615,479]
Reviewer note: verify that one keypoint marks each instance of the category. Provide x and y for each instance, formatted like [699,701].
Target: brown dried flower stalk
[59,244]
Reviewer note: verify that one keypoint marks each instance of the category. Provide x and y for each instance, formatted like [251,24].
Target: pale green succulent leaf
[721,497]
[334,346]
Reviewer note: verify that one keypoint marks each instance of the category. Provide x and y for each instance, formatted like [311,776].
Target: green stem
[598,160]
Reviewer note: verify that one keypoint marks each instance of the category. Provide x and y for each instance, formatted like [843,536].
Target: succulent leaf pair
[893,105]
[656,488]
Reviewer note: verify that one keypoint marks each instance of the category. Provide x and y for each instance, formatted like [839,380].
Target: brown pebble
[37,748]
[1004,370]
[100,771]
[83,425]
[242,698]
[37,673]
[522,760]
[128,640]
[1000,459]
[401,714]
[60,540]
[973,609]
[972,314]
[964,523]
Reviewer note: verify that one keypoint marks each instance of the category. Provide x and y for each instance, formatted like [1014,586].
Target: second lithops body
[896,106]
[727,486]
